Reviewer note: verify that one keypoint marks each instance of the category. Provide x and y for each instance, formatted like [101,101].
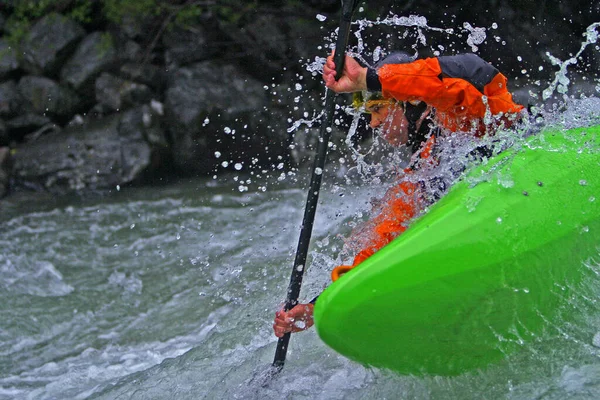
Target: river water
[169,293]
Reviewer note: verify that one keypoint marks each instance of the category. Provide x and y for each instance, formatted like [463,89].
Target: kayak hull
[483,272]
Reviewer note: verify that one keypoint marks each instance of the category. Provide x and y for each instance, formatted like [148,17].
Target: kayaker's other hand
[297,319]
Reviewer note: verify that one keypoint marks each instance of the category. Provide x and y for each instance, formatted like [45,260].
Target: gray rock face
[5,166]
[4,137]
[46,97]
[117,93]
[26,123]
[207,86]
[229,89]
[8,59]
[10,99]
[95,54]
[48,42]
[184,47]
[98,155]
[150,75]
[203,103]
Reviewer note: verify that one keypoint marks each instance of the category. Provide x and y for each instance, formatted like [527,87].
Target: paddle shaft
[310,209]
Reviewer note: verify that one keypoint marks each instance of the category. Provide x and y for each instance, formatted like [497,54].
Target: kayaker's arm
[461,87]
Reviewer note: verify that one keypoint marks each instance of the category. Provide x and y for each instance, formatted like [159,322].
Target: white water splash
[561,80]
[476,36]
[304,121]
[37,278]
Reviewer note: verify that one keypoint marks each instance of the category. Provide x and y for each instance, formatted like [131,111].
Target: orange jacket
[462,89]
[400,204]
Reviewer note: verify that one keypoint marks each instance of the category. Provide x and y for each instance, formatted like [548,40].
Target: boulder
[27,123]
[8,60]
[150,75]
[97,155]
[205,103]
[4,138]
[118,94]
[184,46]
[10,99]
[47,44]
[262,43]
[46,97]
[5,168]
[95,54]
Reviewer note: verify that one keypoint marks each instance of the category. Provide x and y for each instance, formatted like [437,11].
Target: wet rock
[133,28]
[4,138]
[118,94]
[93,156]
[202,101]
[141,130]
[48,43]
[263,45]
[190,45]
[209,86]
[8,60]
[10,99]
[25,124]
[144,122]
[96,53]
[304,42]
[46,97]
[5,168]
[131,51]
[153,76]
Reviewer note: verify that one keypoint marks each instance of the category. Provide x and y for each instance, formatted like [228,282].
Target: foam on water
[171,293]
[39,278]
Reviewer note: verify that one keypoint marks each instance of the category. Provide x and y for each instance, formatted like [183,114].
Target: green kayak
[483,272]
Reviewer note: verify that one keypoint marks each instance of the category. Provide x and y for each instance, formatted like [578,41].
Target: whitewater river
[169,293]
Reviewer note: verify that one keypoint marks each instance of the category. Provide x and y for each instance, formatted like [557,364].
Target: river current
[169,293]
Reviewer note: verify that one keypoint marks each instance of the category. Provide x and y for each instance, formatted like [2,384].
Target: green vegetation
[183,12]
[167,13]
[23,13]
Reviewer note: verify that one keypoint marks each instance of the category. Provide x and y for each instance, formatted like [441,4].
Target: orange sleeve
[456,100]
[418,80]
[399,207]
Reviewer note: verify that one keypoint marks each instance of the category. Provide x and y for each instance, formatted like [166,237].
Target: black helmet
[397,57]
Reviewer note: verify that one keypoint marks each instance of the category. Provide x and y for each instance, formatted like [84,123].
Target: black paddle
[348,8]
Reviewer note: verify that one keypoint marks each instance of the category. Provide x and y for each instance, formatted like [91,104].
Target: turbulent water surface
[170,292]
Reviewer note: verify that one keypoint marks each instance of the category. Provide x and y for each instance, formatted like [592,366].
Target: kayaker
[408,99]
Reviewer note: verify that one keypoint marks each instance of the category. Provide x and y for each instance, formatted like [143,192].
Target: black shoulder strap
[416,136]
[469,67]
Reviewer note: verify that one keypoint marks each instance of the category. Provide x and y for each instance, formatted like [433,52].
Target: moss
[23,13]
[117,10]
[106,44]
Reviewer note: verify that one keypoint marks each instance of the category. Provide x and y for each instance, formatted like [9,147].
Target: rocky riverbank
[89,106]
